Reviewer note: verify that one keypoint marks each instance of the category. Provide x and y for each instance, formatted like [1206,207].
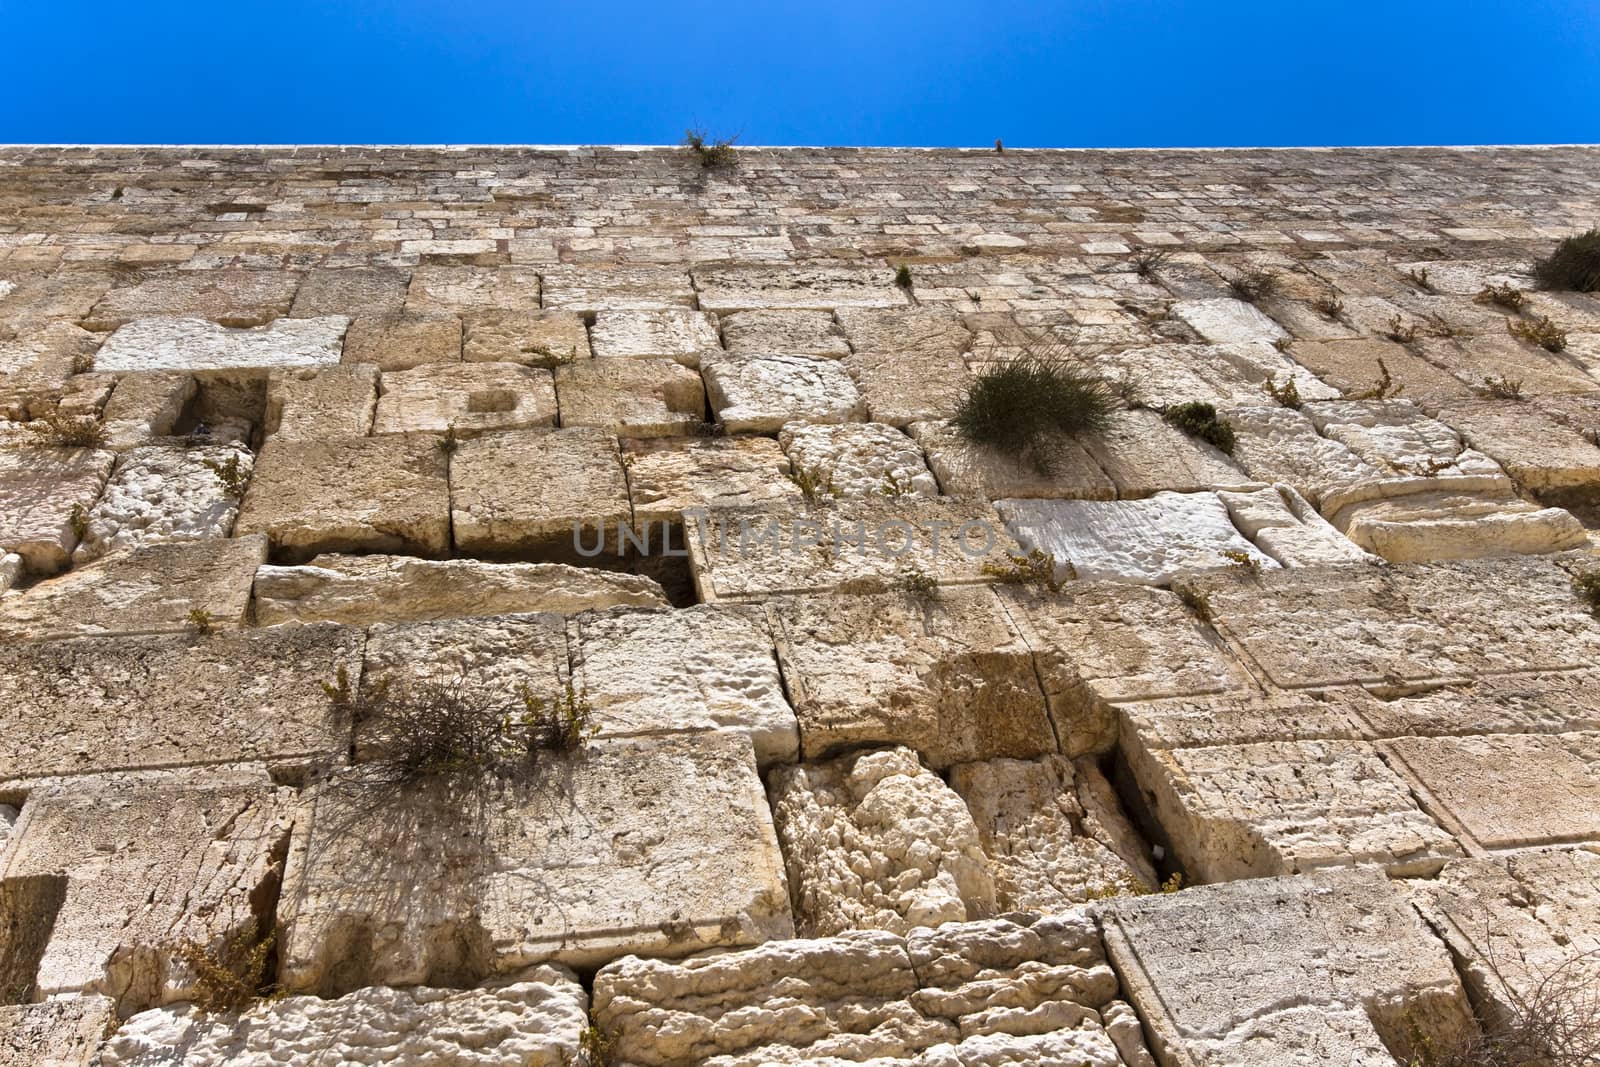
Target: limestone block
[1144,454]
[953,676]
[859,458]
[875,841]
[321,404]
[227,297]
[533,1020]
[1144,541]
[65,1032]
[1053,838]
[632,397]
[1394,435]
[1240,717]
[1420,526]
[38,367]
[1557,703]
[727,289]
[1495,355]
[857,544]
[669,476]
[805,333]
[1261,363]
[697,668]
[760,393]
[670,333]
[534,338]
[41,491]
[152,589]
[967,470]
[358,590]
[660,845]
[1226,321]
[351,291]
[900,388]
[1352,366]
[1549,459]
[1167,374]
[466,399]
[1276,444]
[587,290]
[454,289]
[532,490]
[904,329]
[403,341]
[125,867]
[162,493]
[199,345]
[11,567]
[374,494]
[1328,967]
[1511,791]
[113,703]
[1285,526]
[147,405]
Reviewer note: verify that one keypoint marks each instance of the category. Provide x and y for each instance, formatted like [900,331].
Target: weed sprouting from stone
[1200,420]
[1507,296]
[1383,388]
[713,153]
[230,474]
[1587,586]
[1252,286]
[1036,569]
[1401,331]
[1574,266]
[914,581]
[231,976]
[57,430]
[902,277]
[1503,388]
[201,622]
[814,483]
[1025,407]
[1542,332]
[1329,306]
[1146,261]
[1287,394]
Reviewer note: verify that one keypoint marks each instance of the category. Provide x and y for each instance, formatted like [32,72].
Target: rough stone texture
[527,490]
[1144,454]
[534,338]
[760,393]
[376,494]
[441,288]
[403,341]
[321,404]
[198,345]
[806,333]
[631,397]
[670,476]
[41,490]
[661,845]
[952,676]
[902,330]
[535,1020]
[145,406]
[1145,541]
[1225,321]
[65,1032]
[670,333]
[1330,967]
[465,399]
[363,589]
[1419,526]
[1275,444]
[727,289]
[588,290]
[1286,527]
[352,291]
[859,458]
[875,841]
[900,388]
[162,494]
[228,297]
[967,470]
[1543,455]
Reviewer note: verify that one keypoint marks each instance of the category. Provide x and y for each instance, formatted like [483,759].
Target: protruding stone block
[321,404]
[859,459]
[631,397]
[160,494]
[760,393]
[524,491]
[678,334]
[235,298]
[199,345]
[465,399]
[670,476]
[45,496]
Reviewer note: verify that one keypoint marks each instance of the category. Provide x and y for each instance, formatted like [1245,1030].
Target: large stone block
[1416,522]
[465,399]
[806,333]
[678,334]
[1544,456]
[162,494]
[322,403]
[533,338]
[670,476]
[631,397]
[904,329]
[1276,444]
[228,297]
[455,289]
[587,290]
[65,1032]
[1144,454]
[145,406]
[760,393]
[859,459]
[903,387]
[1227,321]
[45,496]
[726,289]
[527,491]
[1285,526]
[350,291]
[403,341]
[974,471]
[198,345]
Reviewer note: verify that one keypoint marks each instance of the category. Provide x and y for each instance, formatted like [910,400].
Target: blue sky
[939,72]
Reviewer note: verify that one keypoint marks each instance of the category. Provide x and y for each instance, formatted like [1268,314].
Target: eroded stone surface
[1226,321]
[196,344]
[465,399]
[859,459]
[322,403]
[161,494]
[669,333]
[405,340]
[809,333]
[967,470]
[45,496]
[760,393]
[631,397]
[65,1032]
[229,297]
[1144,454]
[534,338]
[523,490]
[1286,527]
[723,290]
[670,476]
[145,406]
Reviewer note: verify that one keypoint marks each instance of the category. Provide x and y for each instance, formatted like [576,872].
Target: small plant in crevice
[1552,1019]
[1254,285]
[1542,332]
[1587,586]
[232,976]
[1036,569]
[814,483]
[1573,267]
[230,474]
[1196,601]
[1503,388]
[201,622]
[595,1046]
[713,428]
[339,691]
[1418,276]
[999,146]
[1383,388]
[713,153]
[1329,306]
[1239,558]
[78,522]
[1431,467]
[1026,407]
[1199,419]
[57,430]
[1287,394]
[1283,344]
[1146,261]
[1400,330]
[916,582]
[1130,886]
[902,277]
[82,362]
[1506,296]
[449,442]
[895,486]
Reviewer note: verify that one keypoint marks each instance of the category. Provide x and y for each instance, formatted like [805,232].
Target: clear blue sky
[939,72]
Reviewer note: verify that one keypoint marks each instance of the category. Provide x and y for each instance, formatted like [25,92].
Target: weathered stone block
[402,341]
[45,496]
[588,290]
[161,494]
[321,404]
[806,333]
[760,393]
[466,399]
[631,397]
[533,338]
[1144,454]
[859,458]
[1227,321]
[228,297]
[968,470]
[678,334]
[531,490]
[351,291]
[454,289]
[1544,456]
[1276,444]
[670,476]
[900,388]
[1285,526]
[1418,526]
[726,289]
[146,405]
[198,345]
[904,329]
[65,1032]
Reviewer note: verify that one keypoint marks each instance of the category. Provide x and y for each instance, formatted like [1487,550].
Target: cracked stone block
[760,393]
[227,297]
[1557,703]
[466,399]
[796,287]
[455,289]
[115,703]
[661,845]
[590,290]
[669,476]
[351,291]
[322,403]
[374,494]
[1148,541]
[537,490]
[1227,321]
[1328,967]
[403,341]
[152,589]
[145,406]
[1418,526]
[904,330]
[1546,457]
[1319,626]
[1285,526]
[632,397]
[1053,833]
[1394,435]
[1018,990]
[855,545]
[534,338]
[974,471]
[45,495]
[161,493]
[804,333]
[1276,444]
[859,458]
[952,676]
[1511,791]
[875,841]
[900,388]
[199,345]
[65,1032]
[358,590]
[140,862]
[1353,367]
[1143,454]
[535,1019]
[698,668]
[678,334]
[1163,375]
